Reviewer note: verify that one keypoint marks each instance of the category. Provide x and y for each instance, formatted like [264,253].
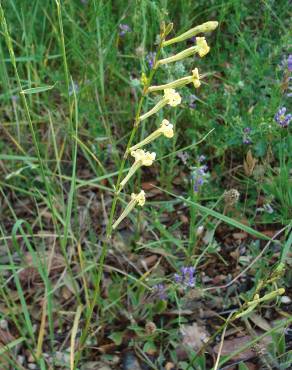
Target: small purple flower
[198,183]
[193,39]
[282,119]
[186,278]
[183,156]
[199,175]
[201,158]
[124,28]
[73,87]
[246,141]
[289,63]
[160,291]
[192,101]
[150,58]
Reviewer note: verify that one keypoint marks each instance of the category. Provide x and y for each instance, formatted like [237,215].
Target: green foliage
[61,143]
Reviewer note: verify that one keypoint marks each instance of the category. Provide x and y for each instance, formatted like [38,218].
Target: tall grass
[69,87]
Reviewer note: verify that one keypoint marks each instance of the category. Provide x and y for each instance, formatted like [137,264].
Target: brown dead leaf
[249,163]
[30,273]
[194,336]
[231,345]
[5,338]
[260,321]
[234,344]
[240,235]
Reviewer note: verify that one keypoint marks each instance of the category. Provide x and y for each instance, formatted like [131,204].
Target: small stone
[20,359]
[285,299]
[3,324]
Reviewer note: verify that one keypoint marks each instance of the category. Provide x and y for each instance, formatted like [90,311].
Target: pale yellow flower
[135,199]
[139,198]
[202,45]
[146,158]
[201,48]
[195,79]
[172,97]
[165,129]
[142,158]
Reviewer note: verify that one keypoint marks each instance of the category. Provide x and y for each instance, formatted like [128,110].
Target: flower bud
[205,27]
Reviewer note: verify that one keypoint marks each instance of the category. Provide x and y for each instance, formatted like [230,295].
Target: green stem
[109,228]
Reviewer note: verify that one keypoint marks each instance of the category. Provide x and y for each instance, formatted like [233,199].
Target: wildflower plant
[142,157]
[171,97]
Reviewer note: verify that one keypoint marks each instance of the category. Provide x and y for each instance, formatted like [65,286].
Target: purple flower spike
[124,28]
[150,58]
[282,119]
[187,277]
[160,291]
[246,141]
[247,130]
[289,63]
[192,101]
[201,158]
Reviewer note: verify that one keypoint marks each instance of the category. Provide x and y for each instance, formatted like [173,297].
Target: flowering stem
[109,229]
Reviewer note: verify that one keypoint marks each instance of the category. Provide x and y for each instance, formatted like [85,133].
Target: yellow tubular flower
[165,129]
[205,27]
[179,56]
[195,79]
[135,199]
[171,97]
[202,45]
[142,158]
[201,48]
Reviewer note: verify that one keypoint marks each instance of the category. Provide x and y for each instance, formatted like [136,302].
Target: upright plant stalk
[109,228]
[172,99]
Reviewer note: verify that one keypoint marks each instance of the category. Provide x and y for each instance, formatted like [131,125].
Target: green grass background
[61,147]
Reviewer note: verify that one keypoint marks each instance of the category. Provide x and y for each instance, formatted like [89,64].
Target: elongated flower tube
[201,48]
[142,158]
[135,199]
[165,129]
[202,28]
[195,79]
[171,97]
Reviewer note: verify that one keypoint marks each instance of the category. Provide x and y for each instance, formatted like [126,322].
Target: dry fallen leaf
[249,163]
[260,321]
[194,336]
[234,344]
[30,274]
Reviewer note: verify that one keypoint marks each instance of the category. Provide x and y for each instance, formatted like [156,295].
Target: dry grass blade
[73,336]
